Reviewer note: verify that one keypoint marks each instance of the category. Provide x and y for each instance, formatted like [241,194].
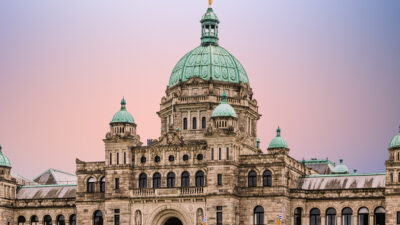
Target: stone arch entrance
[173,221]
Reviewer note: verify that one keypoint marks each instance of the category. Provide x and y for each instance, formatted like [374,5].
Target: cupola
[395,142]
[341,168]
[278,142]
[122,116]
[4,161]
[224,116]
[122,123]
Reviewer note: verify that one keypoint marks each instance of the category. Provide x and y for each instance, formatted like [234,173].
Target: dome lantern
[209,28]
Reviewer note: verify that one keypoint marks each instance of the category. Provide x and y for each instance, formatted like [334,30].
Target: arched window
[34,220]
[331,216]
[103,185]
[21,220]
[185,125]
[156,180]
[347,216]
[391,177]
[194,123]
[90,185]
[379,216]
[98,218]
[60,220]
[252,179]
[259,215]
[203,123]
[47,220]
[297,216]
[142,180]
[171,179]
[315,217]
[199,178]
[267,178]
[72,219]
[185,179]
[363,216]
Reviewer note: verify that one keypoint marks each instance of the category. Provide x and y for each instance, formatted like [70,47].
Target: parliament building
[205,168]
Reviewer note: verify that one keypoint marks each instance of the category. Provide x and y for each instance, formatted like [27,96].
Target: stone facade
[201,168]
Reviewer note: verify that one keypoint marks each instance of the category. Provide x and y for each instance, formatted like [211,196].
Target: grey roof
[22,180]
[46,192]
[54,176]
[346,181]
[322,168]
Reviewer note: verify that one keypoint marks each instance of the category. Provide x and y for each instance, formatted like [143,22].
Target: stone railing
[176,191]
[191,190]
[144,192]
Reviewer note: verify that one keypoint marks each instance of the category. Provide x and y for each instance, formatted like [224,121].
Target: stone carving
[200,216]
[138,217]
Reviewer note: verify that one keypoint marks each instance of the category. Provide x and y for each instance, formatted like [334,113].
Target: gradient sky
[327,72]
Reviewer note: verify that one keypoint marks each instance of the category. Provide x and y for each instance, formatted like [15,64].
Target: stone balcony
[168,192]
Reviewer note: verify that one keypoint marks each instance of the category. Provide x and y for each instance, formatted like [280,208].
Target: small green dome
[395,143]
[278,141]
[4,161]
[341,168]
[224,109]
[209,60]
[122,116]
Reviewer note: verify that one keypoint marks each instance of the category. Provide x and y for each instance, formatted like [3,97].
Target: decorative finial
[123,103]
[224,97]
[0,148]
[210,2]
[341,161]
[278,132]
[399,129]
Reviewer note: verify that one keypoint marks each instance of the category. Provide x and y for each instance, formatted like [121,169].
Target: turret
[278,144]
[224,117]
[122,123]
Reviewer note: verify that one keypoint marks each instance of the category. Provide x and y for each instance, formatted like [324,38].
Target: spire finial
[123,103]
[278,132]
[341,161]
[210,2]
[0,148]
[224,97]
[399,129]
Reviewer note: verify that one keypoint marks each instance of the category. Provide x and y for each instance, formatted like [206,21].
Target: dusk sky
[327,72]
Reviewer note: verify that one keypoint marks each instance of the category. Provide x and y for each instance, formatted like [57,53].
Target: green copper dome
[4,161]
[395,143]
[341,168]
[122,116]
[224,109]
[278,141]
[209,60]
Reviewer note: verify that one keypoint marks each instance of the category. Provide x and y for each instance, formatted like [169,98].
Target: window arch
[297,216]
[90,184]
[330,216]
[363,216]
[47,220]
[252,179]
[267,178]
[203,122]
[103,184]
[34,220]
[379,216]
[259,215]
[98,218]
[72,219]
[185,124]
[315,217]
[142,180]
[185,179]
[156,180]
[194,123]
[347,216]
[60,220]
[171,180]
[21,220]
[199,178]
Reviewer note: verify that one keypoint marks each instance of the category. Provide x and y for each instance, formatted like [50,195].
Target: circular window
[171,158]
[200,157]
[185,157]
[143,159]
[157,159]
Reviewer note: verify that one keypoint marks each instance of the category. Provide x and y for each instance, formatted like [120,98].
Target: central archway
[173,221]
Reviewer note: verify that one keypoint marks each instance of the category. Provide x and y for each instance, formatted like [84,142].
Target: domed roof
[224,109]
[122,116]
[209,60]
[278,141]
[395,143]
[4,161]
[341,168]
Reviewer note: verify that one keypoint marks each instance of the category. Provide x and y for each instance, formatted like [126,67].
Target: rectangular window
[219,176]
[116,219]
[117,158]
[124,157]
[116,183]
[110,158]
[219,154]
[398,217]
[227,153]
[212,154]
[219,218]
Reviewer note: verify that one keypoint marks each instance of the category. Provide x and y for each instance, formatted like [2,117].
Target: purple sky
[327,72]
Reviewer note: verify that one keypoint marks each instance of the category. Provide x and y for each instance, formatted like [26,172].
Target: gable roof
[55,177]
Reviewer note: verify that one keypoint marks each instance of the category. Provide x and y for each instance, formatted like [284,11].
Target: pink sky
[327,73]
